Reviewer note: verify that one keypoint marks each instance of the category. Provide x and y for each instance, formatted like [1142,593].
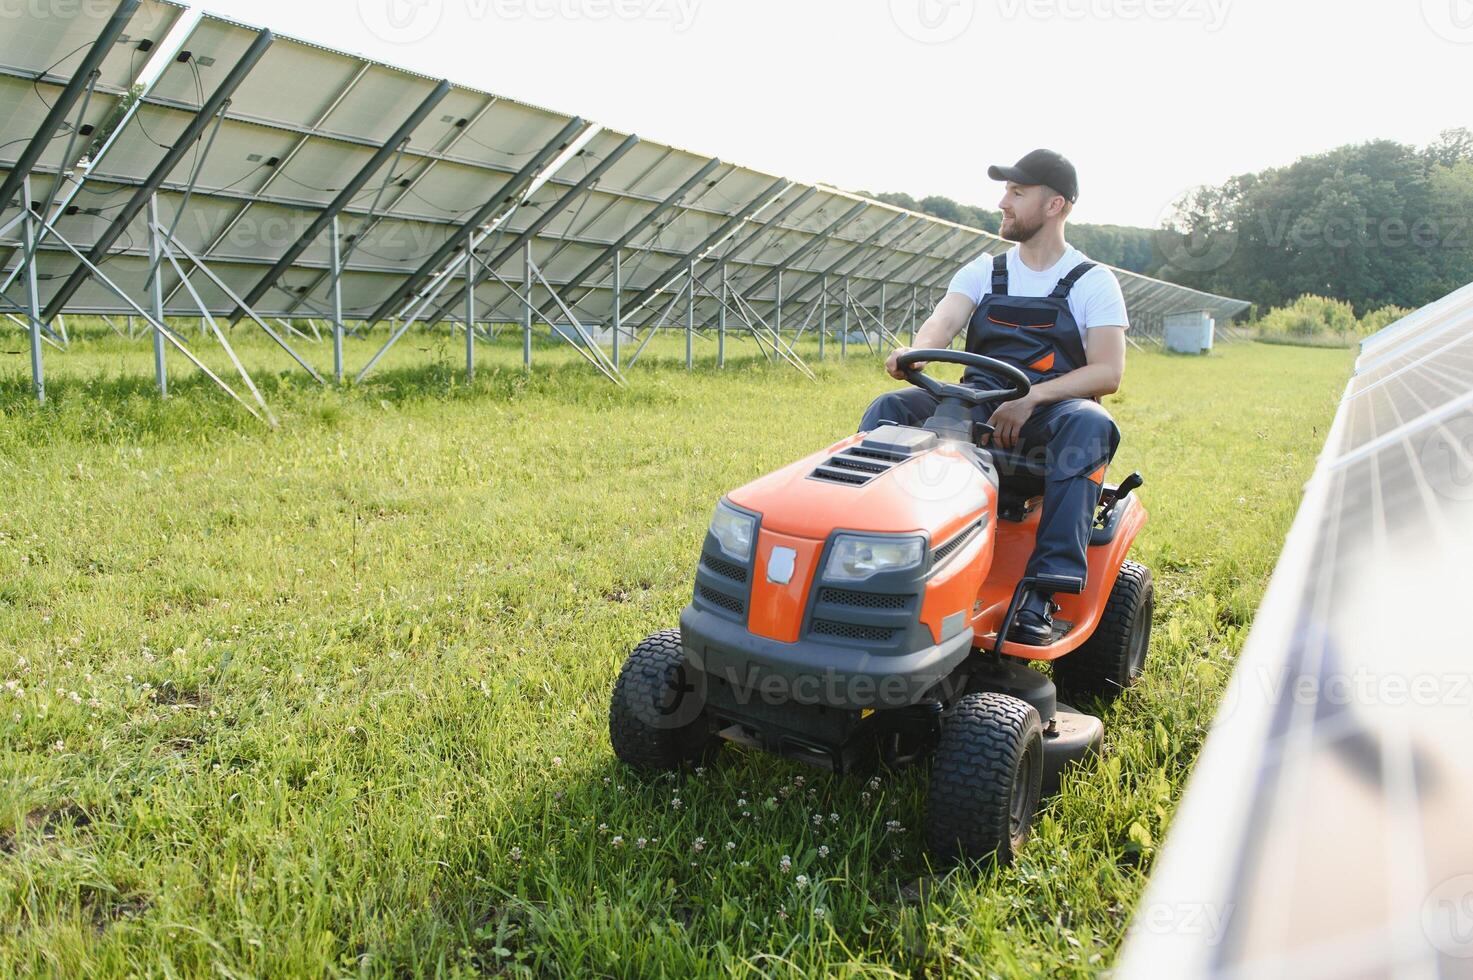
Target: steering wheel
[970,396]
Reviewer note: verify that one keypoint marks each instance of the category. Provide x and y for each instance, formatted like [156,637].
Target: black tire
[986,778]
[656,717]
[1114,656]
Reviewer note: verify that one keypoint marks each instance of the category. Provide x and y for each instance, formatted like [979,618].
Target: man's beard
[1020,232]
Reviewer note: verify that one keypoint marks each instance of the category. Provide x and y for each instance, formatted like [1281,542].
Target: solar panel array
[1325,829]
[409,168]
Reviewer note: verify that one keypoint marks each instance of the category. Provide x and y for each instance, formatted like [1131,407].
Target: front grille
[849,631]
[720,599]
[724,568]
[864,600]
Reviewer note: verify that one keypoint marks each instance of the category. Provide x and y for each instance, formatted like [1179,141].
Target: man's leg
[1078,438]
[904,406]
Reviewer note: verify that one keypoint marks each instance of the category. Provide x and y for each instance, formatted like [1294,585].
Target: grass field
[331,699]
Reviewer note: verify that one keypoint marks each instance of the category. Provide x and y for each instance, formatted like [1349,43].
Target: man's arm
[952,314]
[1105,356]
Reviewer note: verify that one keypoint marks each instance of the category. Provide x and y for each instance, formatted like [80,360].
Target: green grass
[331,698]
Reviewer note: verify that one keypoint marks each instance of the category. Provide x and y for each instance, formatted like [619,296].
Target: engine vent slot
[724,568]
[853,468]
[957,541]
[862,600]
[721,600]
[850,631]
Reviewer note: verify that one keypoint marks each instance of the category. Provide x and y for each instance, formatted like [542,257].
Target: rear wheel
[986,778]
[656,717]
[1114,656]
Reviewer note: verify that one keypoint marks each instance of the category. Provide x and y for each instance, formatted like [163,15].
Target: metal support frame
[349,190]
[83,79]
[495,207]
[156,294]
[634,230]
[549,214]
[144,193]
[155,321]
[470,306]
[337,302]
[690,314]
[33,297]
[618,314]
[668,277]
[721,316]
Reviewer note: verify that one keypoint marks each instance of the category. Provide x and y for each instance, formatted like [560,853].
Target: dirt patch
[47,820]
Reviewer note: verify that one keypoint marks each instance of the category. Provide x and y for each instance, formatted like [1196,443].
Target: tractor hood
[894,480]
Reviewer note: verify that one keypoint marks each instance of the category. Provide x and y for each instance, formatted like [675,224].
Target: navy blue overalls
[1077,437]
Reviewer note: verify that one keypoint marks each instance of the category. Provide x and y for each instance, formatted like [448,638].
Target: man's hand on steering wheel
[894,370]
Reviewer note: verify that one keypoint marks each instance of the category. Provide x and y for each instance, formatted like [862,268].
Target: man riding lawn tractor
[881,600]
[1046,309]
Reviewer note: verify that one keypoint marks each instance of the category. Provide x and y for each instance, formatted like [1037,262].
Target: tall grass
[330,698]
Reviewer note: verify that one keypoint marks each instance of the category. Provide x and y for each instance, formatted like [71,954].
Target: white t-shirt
[1095,300]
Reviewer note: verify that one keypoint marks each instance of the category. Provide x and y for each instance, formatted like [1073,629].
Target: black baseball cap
[1042,167]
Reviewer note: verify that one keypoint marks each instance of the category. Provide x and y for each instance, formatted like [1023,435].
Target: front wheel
[986,778]
[657,720]
[1114,656]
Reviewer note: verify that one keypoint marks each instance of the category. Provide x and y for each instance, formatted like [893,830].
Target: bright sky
[1148,97]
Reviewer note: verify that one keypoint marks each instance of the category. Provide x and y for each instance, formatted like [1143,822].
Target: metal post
[777,313]
[915,311]
[823,316]
[527,307]
[690,314]
[470,306]
[156,292]
[33,295]
[618,298]
[844,337]
[721,319]
[881,322]
[337,303]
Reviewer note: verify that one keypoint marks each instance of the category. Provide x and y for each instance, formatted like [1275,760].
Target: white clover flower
[833,818]
[699,845]
[603,828]
[557,760]
[617,841]
[675,803]
[740,802]
[823,851]
[640,842]
[730,845]
[820,912]
[801,881]
[894,827]
[874,783]
[515,854]
[786,864]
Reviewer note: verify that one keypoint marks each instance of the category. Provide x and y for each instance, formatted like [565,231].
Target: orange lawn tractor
[848,611]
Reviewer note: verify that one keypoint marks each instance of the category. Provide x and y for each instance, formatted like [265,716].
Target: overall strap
[1000,274]
[1067,283]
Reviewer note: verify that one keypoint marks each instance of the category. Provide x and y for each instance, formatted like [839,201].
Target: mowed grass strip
[331,699]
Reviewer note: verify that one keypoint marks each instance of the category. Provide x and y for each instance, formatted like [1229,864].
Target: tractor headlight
[855,558]
[734,530]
